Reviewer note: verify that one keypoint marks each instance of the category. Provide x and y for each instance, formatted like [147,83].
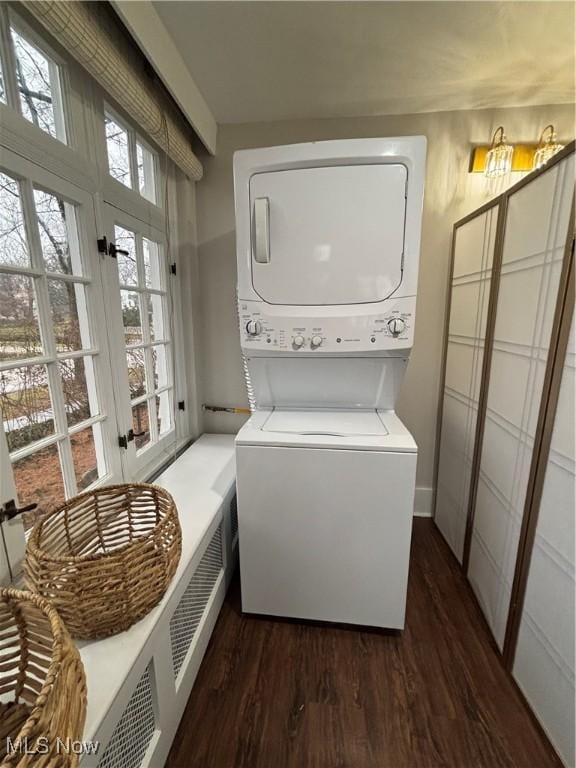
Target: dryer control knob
[253,327]
[396,325]
[298,341]
[315,341]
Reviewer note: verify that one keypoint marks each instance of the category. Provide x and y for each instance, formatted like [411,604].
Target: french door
[137,279]
[56,399]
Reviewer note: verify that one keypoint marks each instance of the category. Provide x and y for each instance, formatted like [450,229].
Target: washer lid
[336,423]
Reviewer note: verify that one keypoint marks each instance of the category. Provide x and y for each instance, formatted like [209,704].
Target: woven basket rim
[57,629]
[34,547]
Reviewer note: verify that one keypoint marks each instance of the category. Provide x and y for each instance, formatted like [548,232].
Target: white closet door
[532,257]
[470,291]
[544,661]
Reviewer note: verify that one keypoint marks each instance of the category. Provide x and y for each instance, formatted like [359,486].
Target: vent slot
[187,616]
[234,520]
[134,732]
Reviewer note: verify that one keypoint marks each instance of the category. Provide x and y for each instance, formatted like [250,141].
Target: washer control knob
[253,327]
[315,341]
[396,325]
[298,341]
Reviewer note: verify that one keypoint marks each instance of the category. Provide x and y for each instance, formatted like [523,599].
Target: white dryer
[328,238]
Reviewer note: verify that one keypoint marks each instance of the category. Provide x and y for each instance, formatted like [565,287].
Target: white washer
[326,500]
[327,241]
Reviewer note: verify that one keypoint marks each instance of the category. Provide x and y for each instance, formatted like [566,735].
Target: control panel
[265,331]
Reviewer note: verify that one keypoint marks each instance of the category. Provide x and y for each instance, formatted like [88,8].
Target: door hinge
[173,268]
[181,405]
[109,249]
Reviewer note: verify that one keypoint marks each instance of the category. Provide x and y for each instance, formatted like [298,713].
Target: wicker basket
[42,684]
[105,558]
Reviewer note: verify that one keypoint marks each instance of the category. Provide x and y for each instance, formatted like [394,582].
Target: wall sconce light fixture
[547,147]
[499,157]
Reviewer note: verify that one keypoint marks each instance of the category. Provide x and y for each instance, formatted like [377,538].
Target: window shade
[86,33]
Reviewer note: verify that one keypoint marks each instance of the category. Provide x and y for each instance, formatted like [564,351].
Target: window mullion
[62,130]
[9,61]
[153,418]
[133,160]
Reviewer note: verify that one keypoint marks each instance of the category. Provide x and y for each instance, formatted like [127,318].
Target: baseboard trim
[423,502]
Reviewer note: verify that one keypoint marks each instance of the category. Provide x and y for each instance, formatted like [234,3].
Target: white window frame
[79,171]
[60,96]
[74,161]
[115,192]
[139,464]
[31,176]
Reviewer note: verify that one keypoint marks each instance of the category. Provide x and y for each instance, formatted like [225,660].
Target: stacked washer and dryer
[328,240]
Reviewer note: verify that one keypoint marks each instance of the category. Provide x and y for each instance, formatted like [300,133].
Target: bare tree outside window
[118,152]
[27,389]
[39,87]
[130,160]
[13,242]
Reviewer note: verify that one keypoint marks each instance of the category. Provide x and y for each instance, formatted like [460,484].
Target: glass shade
[547,147]
[499,157]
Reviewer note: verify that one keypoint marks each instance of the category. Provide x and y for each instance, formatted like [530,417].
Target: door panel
[532,257]
[58,413]
[141,340]
[544,660]
[330,235]
[470,290]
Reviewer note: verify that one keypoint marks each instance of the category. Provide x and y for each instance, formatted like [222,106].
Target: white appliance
[328,238]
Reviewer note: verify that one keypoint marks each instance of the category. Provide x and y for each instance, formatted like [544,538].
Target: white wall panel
[533,249]
[470,290]
[544,661]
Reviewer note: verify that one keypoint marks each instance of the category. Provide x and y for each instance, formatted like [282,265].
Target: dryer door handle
[262,230]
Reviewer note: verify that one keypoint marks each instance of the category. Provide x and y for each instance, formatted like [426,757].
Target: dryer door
[332,235]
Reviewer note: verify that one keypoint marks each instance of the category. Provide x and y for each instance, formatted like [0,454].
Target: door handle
[10,510]
[261,230]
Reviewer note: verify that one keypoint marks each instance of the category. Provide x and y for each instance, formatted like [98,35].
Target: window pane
[141,425]
[152,267]
[136,373]
[13,245]
[69,315]
[131,317]
[39,87]
[118,152]
[19,329]
[58,233]
[84,457]
[156,317]
[38,479]
[146,180]
[26,405]
[126,241]
[77,377]
[160,362]
[164,411]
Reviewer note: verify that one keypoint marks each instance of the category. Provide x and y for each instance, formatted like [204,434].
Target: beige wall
[450,193]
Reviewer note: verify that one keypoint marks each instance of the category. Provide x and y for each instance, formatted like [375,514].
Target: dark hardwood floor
[279,694]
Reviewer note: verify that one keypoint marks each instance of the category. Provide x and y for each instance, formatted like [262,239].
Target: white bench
[139,681]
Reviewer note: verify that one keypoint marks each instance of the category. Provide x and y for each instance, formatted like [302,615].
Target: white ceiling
[289,60]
